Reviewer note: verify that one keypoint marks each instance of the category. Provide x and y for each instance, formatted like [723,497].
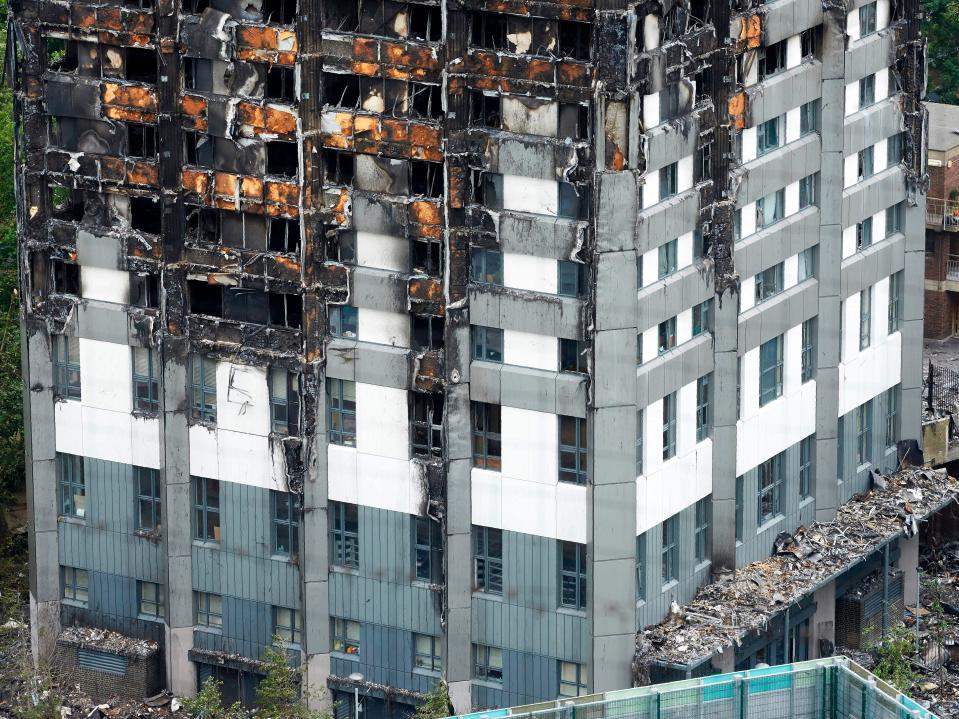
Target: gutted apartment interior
[451,340]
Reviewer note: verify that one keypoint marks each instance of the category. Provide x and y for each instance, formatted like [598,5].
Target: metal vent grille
[101,662]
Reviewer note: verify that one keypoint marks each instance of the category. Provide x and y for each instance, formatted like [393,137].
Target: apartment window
[572,355]
[344,321]
[667,258]
[426,425]
[809,42]
[572,450]
[701,317]
[202,388]
[572,278]
[867,91]
[427,550]
[486,266]
[770,489]
[865,163]
[669,426]
[280,84]
[894,219]
[805,466]
[895,297]
[703,410]
[346,636]
[863,433]
[639,348]
[284,401]
[769,282]
[667,335]
[807,191]
[427,332]
[770,209]
[149,507]
[487,436]
[487,663]
[146,380]
[426,256]
[809,349]
[809,117]
[150,600]
[488,560]
[670,549]
[894,147]
[640,431]
[206,509]
[209,610]
[572,680]
[770,370]
[344,535]
[807,263]
[668,180]
[864,234]
[485,109]
[738,225]
[867,19]
[427,653]
[669,102]
[701,531]
[341,411]
[487,343]
[865,318]
[66,366]
[739,509]
[141,140]
[286,523]
[772,59]
[768,136]
[572,575]
[73,489]
[892,416]
[287,624]
[76,585]
[641,567]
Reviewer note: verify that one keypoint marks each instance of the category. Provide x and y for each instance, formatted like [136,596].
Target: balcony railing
[952,267]
[942,214]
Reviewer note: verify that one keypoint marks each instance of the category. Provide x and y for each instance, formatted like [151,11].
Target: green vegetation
[894,656]
[436,704]
[941,26]
[208,703]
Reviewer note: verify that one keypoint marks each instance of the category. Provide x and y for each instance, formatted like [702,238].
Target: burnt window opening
[340,90]
[66,277]
[138,4]
[281,84]
[428,332]
[198,148]
[195,6]
[339,245]
[425,22]
[341,16]
[65,203]
[145,215]
[809,42]
[61,55]
[141,140]
[282,159]
[703,81]
[574,121]
[202,224]
[282,12]
[426,425]
[699,11]
[54,137]
[705,162]
[141,65]
[669,106]
[197,74]
[485,109]
[243,230]
[488,189]
[573,201]
[426,178]
[242,304]
[284,235]
[426,100]
[488,30]
[286,310]
[205,299]
[575,40]
[338,167]
[426,256]
[144,290]
[772,59]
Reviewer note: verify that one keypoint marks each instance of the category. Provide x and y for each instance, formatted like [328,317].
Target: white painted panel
[684,250]
[650,189]
[650,267]
[882,84]
[68,424]
[486,491]
[850,170]
[792,360]
[749,387]
[748,223]
[653,437]
[880,156]
[747,297]
[852,98]
[790,271]
[850,326]
[793,125]
[684,326]
[245,459]
[878,226]
[749,150]
[203,452]
[686,419]
[242,399]
[528,272]
[530,194]
[650,344]
[529,350]
[572,510]
[650,32]
[383,251]
[384,328]
[106,375]
[530,445]
[341,474]
[384,482]
[775,426]
[792,199]
[848,241]
[882,14]
[97,283]
[106,435]
[651,110]
[519,497]
[870,372]
[793,51]
[675,485]
[684,173]
[880,310]
[852,25]
[382,421]
[145,441]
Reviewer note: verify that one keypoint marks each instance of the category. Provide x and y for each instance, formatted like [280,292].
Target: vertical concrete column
[911,322]
[726,387]
[177,506]
[824,620]
[909,564]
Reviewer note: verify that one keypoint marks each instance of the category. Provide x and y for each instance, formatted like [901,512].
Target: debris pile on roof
[104,640]
[745,600]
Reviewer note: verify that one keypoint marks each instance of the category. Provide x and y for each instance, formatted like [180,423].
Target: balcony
[952,268]
[943,215]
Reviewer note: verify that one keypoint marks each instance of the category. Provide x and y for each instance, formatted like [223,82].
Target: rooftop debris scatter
[105,640]
[739,602]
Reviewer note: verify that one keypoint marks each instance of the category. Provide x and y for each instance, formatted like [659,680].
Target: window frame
[669,551]
[487,435]
[667,259]
[867,91]
[346,636]
[770,282]
[769,135]
[487,566]
[340,416]
[770,481]
[864,234]
[893,317]
[669,426]
[202,393]
[430,660]
[864,423]
[575,349]
[484,340]
[343,321]
[284,411]
[667,337]
[704,407]
[702,317]
[75,585]
[640,440]
[344,535]
[808,350]
[641,565]
[71,484]
[152,609]
[426,425]
[285,519]
[289,632]
[778,200]
[428,555]
[668,181]
[203,511]
[204,616]
[868,22]
[578,686]
[865,318]
[772,392]
[480,271]
[152,502]
[806,467]
[66,367]
[576,474]
[702,533]
[146,387]
[484,668]
[572,575]
[891,428]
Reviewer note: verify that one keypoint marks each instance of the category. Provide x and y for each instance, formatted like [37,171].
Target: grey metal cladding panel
[785,18]
[247,629]
[386,657]
[784,91]
[865,268]
[783,166]
[571,394]
[618,197]
[485,381]
[378,290]
[775,316]
[667,143]
[528,678]
[540,236]
[370,363]
[668,297]
[526,158]
[694,359]
[869,54]
[100,251]
[113,605]
[363,599]
[105,322]
[528,388]
[526,311]
[614,357]
[615,274]
[667,220]
[871,125]
[868,197]
[774,244]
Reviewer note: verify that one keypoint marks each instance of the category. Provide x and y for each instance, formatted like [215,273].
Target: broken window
[487,436]
[426,425]
[65,203]
[704,161]
[198,148]
[244,230]
[202,388]
[341,412]
[284,235]
[141,140]
[488,189]
[146,380]
[205,298]
[668,180]
[141,65]
[488,561]
[427,332]
[281,12]
[574,121]
[669,107]
[66,366]
[344,537]
[340,246]
[426,178]
[426,255]
[341,90]
[197,74]
[145,215]
[864,166]
[286,523]
[572,450]
[149,503]
[338,167]
[572,355]
[571,280]
[573,201]
[486,266]
[195,6]
[488,30]
[809,42]
[426,100]
[206,509]
[575,40]
[144,290]
[246,305]
[341,16]
[280,83]
[769,505]
[772,59]
[202,224]
[286,310]
[425,22]
[572,575]
[282,158]
[487,343]
[770,370]
[284,402]
[66,277]
[344,321]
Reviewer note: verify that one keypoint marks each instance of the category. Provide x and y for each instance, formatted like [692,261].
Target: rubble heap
[746,600]
[105,640]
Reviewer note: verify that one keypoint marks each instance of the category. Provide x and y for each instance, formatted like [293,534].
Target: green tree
[894,655]
[281,694]
[941,26]
[436,704]
[208,703]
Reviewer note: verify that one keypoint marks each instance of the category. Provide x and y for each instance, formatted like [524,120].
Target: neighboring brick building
[942,222]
